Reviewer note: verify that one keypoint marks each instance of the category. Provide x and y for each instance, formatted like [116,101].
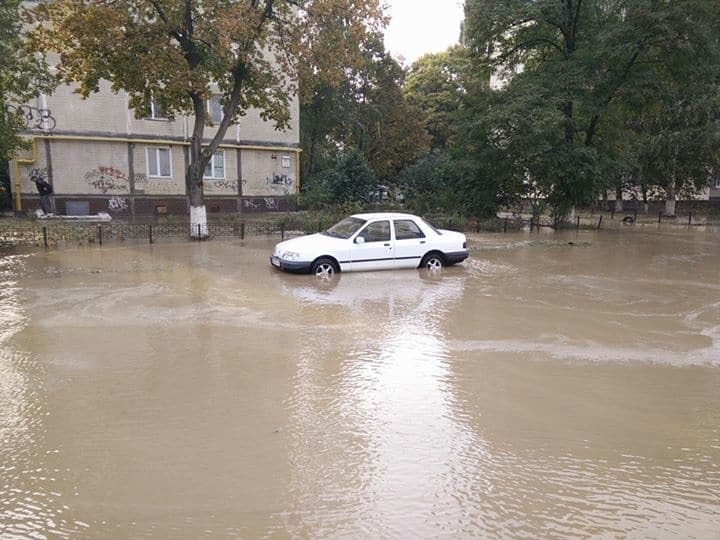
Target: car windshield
[346,228]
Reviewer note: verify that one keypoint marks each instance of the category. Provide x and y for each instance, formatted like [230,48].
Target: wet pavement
[554,385]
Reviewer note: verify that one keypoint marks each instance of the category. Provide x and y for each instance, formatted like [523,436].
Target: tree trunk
[618,199]
[670,200]
[194,175]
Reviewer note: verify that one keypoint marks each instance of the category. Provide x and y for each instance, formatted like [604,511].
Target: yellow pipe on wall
[16,173]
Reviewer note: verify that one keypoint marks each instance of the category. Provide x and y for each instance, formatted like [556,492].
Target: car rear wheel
[324,269]
[432,262]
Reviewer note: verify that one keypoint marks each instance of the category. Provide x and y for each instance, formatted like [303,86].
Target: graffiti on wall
[270,204]
[117,204]
[140,181]
[38,174]
[217,186]
[107,179]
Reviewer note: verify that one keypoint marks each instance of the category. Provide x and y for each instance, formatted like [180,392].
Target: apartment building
[100,158]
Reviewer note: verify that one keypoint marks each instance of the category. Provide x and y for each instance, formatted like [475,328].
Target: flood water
[541,389]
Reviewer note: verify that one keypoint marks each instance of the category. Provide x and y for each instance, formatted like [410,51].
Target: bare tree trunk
[671,199]
[194,173]
[618,199]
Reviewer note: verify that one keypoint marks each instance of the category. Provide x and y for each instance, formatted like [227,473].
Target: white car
[377,241]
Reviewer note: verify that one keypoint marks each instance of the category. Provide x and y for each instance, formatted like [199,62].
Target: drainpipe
[16,174]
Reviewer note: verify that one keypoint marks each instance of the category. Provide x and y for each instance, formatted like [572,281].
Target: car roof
[385,215]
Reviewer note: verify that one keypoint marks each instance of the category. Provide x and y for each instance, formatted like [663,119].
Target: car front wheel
[324,269]
[432,262]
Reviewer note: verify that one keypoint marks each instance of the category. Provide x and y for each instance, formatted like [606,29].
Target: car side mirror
[360,240]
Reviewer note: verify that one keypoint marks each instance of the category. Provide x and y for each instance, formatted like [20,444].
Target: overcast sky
[422,26]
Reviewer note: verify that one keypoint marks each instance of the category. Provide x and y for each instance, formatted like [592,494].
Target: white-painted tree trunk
[198,222]
[670,207]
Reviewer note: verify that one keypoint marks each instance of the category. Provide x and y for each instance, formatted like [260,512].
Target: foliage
[366,112]
[181,53]
[565,70]
[350,182]
[435,85]
[23,76]
[426,184]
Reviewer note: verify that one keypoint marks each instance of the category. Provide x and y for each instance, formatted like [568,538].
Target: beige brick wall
[103,112]
[108,113]
[264,173]
[92,167]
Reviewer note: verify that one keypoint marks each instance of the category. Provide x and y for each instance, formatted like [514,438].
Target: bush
[350,181]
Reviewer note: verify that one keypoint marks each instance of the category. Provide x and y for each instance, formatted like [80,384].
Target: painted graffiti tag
[247,203]
[106,179]
[117,204]
[38,174]
[279,180]
[220,185]
[271,204]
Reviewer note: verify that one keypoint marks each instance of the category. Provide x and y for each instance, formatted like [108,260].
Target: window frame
[211,164]
[367,226]
[155,111]
[209,108]
[155,151]
[419,230]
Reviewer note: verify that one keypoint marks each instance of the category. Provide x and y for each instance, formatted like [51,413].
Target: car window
[378,231]
[346,228]
[406,229]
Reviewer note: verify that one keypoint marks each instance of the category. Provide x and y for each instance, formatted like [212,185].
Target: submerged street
[553,385]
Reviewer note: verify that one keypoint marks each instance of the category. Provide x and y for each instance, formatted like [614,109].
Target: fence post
[242,231]
[100,234]
[659,217]
[151,239]
[577,225]
[690,219]
[635,216]
[599,222]
[478,225]
[282,230]
[45,236]
[199,231]
[505,225]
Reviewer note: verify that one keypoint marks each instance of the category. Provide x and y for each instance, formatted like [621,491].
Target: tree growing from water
[180,53]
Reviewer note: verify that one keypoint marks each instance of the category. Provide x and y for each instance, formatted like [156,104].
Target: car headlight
[290,256]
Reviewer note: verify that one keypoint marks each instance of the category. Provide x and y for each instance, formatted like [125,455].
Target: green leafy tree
[181,52]
[23,76]
[367,112]
[567,67]
[435,85]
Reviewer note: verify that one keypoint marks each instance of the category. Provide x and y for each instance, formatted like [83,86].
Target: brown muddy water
[540,390]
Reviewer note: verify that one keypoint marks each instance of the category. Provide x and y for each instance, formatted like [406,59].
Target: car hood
[312,243]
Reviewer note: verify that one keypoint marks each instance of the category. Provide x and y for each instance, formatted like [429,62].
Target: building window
[155,110]
[216,166]
[159,164]
[215,109]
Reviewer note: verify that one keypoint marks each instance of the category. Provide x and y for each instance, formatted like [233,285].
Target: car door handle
[387,245]
[422,241]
